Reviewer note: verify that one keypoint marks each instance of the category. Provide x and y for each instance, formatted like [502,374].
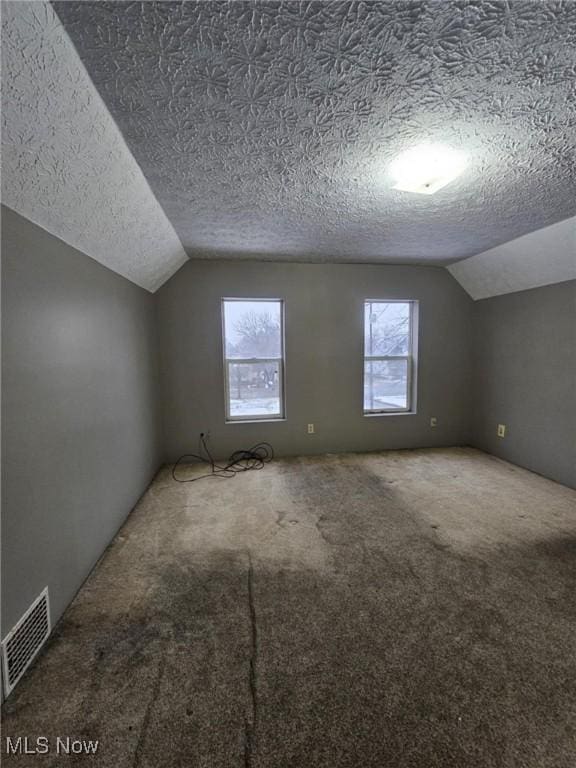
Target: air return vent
[23,642]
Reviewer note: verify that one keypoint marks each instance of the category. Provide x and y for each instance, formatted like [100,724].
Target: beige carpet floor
[392,610]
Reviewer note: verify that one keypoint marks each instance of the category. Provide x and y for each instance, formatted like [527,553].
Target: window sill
[390,413]
[255,421]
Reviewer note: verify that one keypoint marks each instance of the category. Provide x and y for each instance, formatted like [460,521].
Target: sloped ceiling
[66,165]
[539,258]
[265,129]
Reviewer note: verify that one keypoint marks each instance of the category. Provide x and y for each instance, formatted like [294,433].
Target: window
[388,356]
[253,358]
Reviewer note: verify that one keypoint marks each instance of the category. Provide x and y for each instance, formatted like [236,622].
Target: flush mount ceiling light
[427,168]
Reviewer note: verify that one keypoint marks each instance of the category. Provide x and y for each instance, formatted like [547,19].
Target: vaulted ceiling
[65,165]
[265,129]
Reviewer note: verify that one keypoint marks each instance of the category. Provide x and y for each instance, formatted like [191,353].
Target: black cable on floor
[240,461]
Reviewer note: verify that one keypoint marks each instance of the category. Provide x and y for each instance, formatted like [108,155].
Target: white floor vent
[23,642]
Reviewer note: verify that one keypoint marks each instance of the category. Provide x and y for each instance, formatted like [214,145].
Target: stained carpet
[405,609]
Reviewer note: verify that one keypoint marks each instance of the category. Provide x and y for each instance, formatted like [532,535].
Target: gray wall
[79,412]
[324,338]
[525,377]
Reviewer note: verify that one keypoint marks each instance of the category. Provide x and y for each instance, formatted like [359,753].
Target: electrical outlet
[501,430]
[310,429]
[433,421]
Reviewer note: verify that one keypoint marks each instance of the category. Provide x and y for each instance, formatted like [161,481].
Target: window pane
[254,389]
[252,329]
[386,328]
[385,385]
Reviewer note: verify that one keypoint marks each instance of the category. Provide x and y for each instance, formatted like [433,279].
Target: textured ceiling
[65,164]
[540,258]
[266,128]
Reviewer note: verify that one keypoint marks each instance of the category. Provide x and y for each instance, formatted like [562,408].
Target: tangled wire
[240,461]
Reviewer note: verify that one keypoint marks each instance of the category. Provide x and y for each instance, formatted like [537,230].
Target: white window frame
[410,357]
[280,361]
